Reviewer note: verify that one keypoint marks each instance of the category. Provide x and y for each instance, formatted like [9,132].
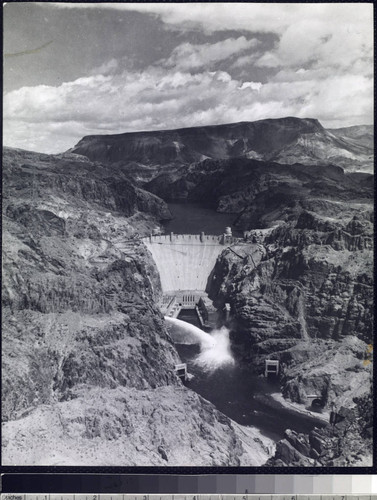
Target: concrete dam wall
[185,261]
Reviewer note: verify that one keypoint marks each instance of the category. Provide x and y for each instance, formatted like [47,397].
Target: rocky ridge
[168,425]
[345,444]
[86,357]
[263,194]
[143,155]
[361,134]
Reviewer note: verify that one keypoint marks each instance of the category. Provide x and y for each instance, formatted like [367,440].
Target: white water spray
[218,355]
[184,333]
[214,347]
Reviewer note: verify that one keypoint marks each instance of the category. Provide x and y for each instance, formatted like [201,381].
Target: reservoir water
[193,218]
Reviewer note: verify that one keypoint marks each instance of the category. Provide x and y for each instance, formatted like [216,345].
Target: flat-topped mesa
[193,144]
[303,124]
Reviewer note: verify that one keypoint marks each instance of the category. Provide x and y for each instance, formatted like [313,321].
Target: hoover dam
[184,262]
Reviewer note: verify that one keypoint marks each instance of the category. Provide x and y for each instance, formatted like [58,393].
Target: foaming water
[234,391]
[216,355]
[214,347]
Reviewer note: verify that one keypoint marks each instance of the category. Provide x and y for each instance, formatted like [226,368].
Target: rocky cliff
[301,292]
[344,444]
[88,368]
[143,155]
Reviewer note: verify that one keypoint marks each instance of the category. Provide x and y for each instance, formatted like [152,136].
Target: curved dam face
[185,261]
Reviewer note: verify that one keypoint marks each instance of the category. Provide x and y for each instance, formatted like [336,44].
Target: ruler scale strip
[119,496]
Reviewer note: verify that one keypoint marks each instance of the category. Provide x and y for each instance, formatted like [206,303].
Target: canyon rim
[188,227]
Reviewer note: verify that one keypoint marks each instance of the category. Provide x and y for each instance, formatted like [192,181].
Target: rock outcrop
[344,444]
[307,283]
[168,425]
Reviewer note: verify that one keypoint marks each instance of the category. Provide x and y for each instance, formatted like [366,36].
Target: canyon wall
[87,365]
[303,295]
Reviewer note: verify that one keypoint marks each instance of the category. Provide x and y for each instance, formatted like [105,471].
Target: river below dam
[242,396]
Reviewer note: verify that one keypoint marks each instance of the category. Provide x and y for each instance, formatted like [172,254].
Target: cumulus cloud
[326,33]
[251,85]
[189,56]
[320,67]
[210,17]
[53,119]
[247,60]
[317,43]
[106,68]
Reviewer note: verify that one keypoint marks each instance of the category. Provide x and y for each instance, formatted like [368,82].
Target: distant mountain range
[362,134]
[143,155]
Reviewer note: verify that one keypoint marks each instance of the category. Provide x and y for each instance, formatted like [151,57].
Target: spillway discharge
[218,355]
[214,347]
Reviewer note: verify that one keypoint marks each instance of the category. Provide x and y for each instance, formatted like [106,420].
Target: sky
[78,69]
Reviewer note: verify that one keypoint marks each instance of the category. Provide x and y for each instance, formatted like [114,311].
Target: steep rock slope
[168,425]
[263,192]
[307,278]
[87,366]
[301,292]
[287,140]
